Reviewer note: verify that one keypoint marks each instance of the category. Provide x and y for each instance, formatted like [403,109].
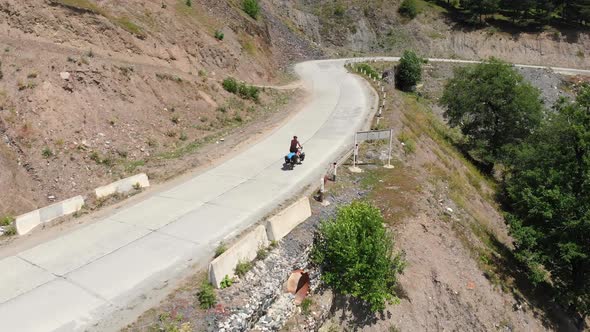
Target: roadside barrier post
[322,189]
[354,168]
[335,171]
[390,149]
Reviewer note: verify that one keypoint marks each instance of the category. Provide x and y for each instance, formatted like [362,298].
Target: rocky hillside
[93,90]
[352,27]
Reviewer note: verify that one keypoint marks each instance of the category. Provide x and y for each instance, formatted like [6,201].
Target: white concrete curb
[123,185]
[28,221]
[243,250]
[285,221]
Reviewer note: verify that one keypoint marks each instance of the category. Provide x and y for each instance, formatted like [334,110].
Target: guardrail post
[390,148]
[335,171]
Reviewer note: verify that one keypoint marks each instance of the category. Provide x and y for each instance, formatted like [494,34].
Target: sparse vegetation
[24,86]
[226,282]
[170,77]
[367,69]
[262,253]
[206,296]
[242,268]
[306,306]
[46,152]
[408,144]
[221,248]
[189,3]
[219,35]
[355,252]
[251,7]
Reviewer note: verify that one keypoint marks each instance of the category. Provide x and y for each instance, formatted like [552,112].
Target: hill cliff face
[94,90]
[91,90]
[351,27]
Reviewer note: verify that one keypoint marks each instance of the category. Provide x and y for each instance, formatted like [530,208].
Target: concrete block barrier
[123,186]
[28,221]
[244,250]
[285,221]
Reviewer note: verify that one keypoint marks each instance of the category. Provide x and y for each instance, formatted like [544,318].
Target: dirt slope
[95,90]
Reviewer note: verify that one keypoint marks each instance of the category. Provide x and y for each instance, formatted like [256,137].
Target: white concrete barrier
[123,186]
[285,221]
[26,222]
[244,250]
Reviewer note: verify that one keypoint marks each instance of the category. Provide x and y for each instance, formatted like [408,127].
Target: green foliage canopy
[408,8]
[409,71]
[548,191]
[251,7]
[356,254]
[493,106]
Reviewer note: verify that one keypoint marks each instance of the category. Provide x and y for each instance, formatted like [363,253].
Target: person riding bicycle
[295,146]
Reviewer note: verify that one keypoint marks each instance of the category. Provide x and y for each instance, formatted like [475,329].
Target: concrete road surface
[86,277]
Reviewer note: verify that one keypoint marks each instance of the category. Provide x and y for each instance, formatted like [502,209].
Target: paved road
[93,273]
[560,70]
[89,275]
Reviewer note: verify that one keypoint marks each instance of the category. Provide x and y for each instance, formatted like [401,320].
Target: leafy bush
[10,230]
[409,71]
[242,268]
[6,221]
[356,254]
[241,89]
[189,3]
[219,35]
[409,9]
[226,282]
[339,10]
[251,7]
[206,296]
[230,85]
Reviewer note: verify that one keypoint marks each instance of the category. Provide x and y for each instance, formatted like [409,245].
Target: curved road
[84,278]
[95,273]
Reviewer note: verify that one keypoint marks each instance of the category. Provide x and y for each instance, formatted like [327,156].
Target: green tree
[409,71]
[356,254]
[409,8]
[494,107]
[548,191]
[251,7]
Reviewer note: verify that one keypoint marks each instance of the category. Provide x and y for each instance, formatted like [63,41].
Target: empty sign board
[373,135]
